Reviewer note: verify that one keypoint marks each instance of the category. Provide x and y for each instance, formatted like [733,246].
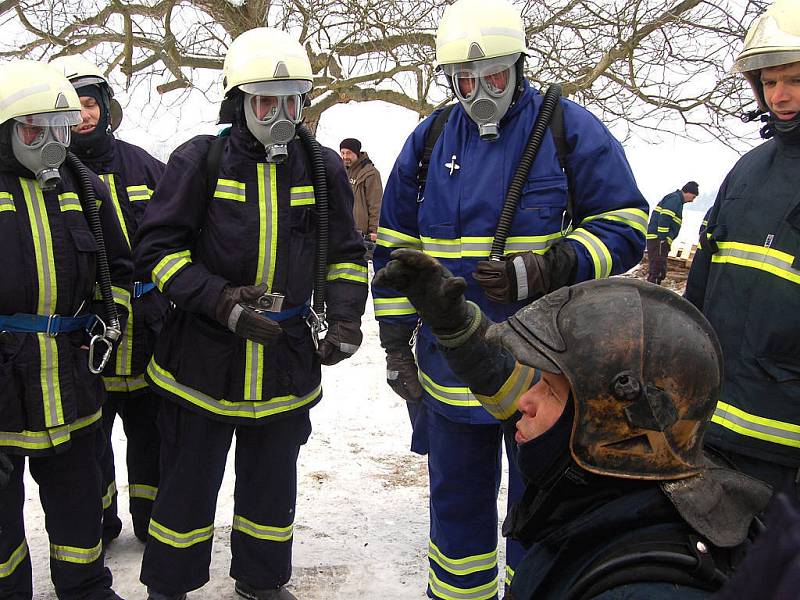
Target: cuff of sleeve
[454,340]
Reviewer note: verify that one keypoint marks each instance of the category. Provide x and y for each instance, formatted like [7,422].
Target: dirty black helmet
[645,369]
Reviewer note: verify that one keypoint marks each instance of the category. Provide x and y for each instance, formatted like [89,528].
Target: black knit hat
[691,188]
[351,144]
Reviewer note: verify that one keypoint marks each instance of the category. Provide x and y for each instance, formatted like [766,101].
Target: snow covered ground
[362,512]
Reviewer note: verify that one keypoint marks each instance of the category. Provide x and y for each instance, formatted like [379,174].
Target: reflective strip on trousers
[108,179]
[446,591]
[743,423]
[73,554]
[111,491]
[462,566]
[50,438]
[46,302]
[142,491]
[302,196]
[15,560]
[262,532]
[180,539]
[349,271]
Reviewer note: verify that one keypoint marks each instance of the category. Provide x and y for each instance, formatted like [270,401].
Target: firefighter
[620,500]
[234,246]
[746,274]
[50,402]
[131,175]
[583,221]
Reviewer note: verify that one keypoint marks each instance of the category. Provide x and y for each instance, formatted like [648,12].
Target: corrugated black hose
[543,119]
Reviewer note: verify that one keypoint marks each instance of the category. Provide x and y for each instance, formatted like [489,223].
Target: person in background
[367,191]
[664,226]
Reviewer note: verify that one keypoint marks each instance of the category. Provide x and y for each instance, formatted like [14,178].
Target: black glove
[235,310]
[401,374]
[341,341]
[437,295]
[6,468]
[526,275]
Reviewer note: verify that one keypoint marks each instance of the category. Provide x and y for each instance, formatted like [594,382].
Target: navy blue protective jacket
[131,175]
[260,226]
[456,221]
[47,267]
[665,222]
[747,283]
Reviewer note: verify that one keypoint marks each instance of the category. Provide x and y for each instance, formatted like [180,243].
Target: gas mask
[485,88]
[39,142]
[272,110]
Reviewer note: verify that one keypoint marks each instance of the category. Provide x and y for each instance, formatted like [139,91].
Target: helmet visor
[277,88]
[32,130]
[765,60]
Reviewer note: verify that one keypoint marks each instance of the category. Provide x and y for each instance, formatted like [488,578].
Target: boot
[154,595]
[281,593]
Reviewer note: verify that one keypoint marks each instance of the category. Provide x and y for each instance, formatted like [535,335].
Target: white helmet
[81,71]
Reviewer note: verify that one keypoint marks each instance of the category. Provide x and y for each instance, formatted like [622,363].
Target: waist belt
[52,325]
[301,310]
[140,288]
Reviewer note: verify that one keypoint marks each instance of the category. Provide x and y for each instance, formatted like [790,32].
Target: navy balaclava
[98,141]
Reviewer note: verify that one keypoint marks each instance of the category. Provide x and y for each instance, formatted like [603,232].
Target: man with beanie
[367,191]
[665,224]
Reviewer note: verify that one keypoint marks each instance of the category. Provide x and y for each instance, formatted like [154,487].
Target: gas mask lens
[33,131]
[266,108]
[492,74]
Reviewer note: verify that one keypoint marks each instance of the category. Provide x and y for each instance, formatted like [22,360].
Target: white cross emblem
[452,165]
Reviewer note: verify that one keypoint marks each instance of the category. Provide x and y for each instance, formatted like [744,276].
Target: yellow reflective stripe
[228,189]
[111,491]
[743,423]
[504,403]
[73,554]
[7,202]
[652,236]
[663,230]
[125,384]
[462,566]
[349,271]
[254,410]
[480,247]
[509,575]
[387,307]
[168,266]
[445,591]
[389,238]
[267,224]
[601,257]
[302,195]
[253,371]
[46,301]
[15,560]
[108,179]
[768,260]
[49,438]
[633,217]
[664,211]
[454,396]
[124,350]
[69,201]
[262,532]
[176,539]
[138,192]
[142,491]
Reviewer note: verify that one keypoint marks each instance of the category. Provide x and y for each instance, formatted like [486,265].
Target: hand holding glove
[526,275]
[341,341]
[6,468]
[235,312]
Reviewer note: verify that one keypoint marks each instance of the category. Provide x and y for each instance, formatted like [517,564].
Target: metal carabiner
[106,353]
[317,324]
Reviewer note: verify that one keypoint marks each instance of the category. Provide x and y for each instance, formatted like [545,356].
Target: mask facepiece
[485,88]
[39,142]
[272,110]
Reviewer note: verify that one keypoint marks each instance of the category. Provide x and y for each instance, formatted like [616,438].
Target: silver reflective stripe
[522,277]
[262,532]
[351,272]
[69,201]
[142,491]
[110,493]
[138,192]
[233,318]
[7,101]
[74,554]
[168,266]
[452,395]
[110,182]
[302,196]
[348,348]
[229,189]
[735,419]
[179,539]
[462,566]
[15,560]
[395,239]
[451,592]
[385,307]
[597,250]
[44,440]
[758,255]
[6,202]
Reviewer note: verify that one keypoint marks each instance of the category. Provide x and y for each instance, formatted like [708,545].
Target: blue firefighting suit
[131,175]
[664,226]
[455,221]
[260,226]
[50,404]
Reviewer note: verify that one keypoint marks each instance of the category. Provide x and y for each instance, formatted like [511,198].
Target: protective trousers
[465,467]
[138,410]
[70,493]
[657,252]
[194,449]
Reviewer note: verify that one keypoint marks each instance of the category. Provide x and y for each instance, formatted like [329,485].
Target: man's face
[782,90]
[90,113]
[688,197]
[541,406]
[348,156]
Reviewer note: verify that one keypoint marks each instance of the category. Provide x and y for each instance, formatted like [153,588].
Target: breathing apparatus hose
[88,199]
[511,202]
[319,178]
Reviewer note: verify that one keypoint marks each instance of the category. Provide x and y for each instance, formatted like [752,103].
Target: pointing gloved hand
[526,275]
[6,468]
[341,341]
[234,312]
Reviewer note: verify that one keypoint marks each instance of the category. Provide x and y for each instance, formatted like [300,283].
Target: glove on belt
[341,341]
[6,468]
[234,312]
[401,374]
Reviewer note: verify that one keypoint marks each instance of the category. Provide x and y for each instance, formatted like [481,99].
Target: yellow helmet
[28,87]
[81,71]
[262,55]
[477,29]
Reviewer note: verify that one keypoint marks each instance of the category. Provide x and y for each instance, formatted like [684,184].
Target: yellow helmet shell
[476,29]
[28,87]
[264,54]
[80,71]
[772,40]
